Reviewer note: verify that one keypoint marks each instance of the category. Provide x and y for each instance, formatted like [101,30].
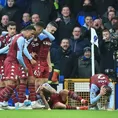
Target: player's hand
[85,102]
[90,24]
[50,68]
[33,54]
[33,62]
[58,19]
[26,70]
[102,91]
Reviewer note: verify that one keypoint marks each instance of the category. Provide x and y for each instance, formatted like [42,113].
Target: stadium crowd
[41,40]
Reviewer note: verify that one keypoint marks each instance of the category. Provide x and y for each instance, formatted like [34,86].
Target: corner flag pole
[94,41]
[92,59]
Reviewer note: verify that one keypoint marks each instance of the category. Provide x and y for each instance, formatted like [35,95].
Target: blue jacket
[3,2]
[78,45]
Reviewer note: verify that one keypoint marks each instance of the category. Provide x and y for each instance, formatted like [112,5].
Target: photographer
[107,49]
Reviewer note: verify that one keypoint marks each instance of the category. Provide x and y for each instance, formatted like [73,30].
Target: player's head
[108,90]
[29,32]
[39,26]
[11,27]
[52,27]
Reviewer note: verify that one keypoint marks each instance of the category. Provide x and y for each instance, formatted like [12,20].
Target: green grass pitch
[57,114]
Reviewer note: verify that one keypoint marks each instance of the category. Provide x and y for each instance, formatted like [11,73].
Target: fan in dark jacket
[63,60]
[83,66]
[13,12]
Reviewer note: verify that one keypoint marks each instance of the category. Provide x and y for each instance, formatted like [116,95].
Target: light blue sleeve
[46,34]
[42,36]
[50,36]
[4,50]
[26,52]
[4,33]
[93,97]
[111,98]
[20,43]
[0,44]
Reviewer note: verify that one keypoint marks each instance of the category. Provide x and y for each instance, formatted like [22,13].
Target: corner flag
[94,37]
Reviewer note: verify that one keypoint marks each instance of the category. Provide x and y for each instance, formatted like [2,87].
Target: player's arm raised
[93,97]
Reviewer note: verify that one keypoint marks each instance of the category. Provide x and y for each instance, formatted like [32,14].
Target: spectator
[109,24]
[4,22]
[86,10]
[77,42]
[102,5]
[45,9]
[35,18]
[13,12]
[74,5]
[26,20]
[83,66]
[106,52]
[110,8]
[98,26]
[24,5]
[65,24]
[62,59]
[87,25]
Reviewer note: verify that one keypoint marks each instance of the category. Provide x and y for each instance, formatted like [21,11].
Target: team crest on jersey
[47,43]
[101,79]
[35,39]
[34,44]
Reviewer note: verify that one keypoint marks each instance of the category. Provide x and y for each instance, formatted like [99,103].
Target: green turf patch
[57,114]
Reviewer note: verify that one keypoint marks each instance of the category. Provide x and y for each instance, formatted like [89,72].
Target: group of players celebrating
[25,63]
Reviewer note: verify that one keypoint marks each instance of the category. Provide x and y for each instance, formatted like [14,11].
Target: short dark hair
[29,27]
[53,23]
[65,6]
[65,39]
[108,90]
[111,11]
[105,30]
[115,26]
[41,24]
[12,23]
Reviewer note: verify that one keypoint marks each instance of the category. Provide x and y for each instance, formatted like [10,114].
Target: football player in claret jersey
[100,85]
[41,70]
[13,62]
[5,41]
[58,100]
[34,49]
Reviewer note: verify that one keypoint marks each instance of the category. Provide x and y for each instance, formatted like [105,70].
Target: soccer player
[100,85]
[33,47]
[5,40]
[14,60]
[58,100]
[41,70]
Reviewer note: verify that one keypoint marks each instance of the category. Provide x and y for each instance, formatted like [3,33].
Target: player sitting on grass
[58,100]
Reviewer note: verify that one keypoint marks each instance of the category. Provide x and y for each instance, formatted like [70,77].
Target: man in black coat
[62,60]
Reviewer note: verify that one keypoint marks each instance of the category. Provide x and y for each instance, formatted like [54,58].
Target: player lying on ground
[55,100]
[100,85]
